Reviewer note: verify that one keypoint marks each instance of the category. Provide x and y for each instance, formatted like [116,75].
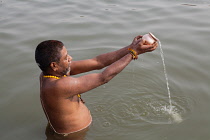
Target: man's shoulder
[51,85]
[60,87]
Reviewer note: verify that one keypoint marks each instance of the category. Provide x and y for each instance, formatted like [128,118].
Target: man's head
[48,55]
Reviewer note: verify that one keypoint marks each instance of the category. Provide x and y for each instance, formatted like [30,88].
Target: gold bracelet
[133,53]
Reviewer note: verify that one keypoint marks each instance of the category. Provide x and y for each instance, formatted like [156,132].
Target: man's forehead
[64,49]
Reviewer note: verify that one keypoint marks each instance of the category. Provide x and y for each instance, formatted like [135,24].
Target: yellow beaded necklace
[51,76]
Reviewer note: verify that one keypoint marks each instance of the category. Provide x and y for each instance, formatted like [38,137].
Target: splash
[175,117]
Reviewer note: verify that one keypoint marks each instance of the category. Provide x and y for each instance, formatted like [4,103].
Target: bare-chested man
[60,93]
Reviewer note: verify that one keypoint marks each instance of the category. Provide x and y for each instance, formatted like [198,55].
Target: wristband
[133,53]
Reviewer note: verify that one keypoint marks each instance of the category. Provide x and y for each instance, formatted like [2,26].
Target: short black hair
[47,52]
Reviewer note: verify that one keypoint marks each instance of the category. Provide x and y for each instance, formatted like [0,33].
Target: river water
[134,104]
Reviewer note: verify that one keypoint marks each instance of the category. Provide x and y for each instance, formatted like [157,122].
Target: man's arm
[106,59]
[74,86]
[98,62]
[82,84]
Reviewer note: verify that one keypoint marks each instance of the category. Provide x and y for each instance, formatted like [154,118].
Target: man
[60,93]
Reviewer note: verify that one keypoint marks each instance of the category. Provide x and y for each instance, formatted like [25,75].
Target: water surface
[134,104]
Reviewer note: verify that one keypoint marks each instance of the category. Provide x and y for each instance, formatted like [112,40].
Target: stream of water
[174,115]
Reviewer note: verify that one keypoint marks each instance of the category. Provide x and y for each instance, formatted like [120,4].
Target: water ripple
[151,109]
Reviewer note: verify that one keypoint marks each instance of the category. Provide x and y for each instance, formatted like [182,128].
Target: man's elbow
[100,65]
[106,78]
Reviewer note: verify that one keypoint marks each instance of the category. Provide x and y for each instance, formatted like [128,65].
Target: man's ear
[54,66]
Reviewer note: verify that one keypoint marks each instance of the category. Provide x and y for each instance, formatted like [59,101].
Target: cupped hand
[140,48]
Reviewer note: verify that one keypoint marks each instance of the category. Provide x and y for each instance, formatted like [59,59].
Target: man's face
[65,61]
